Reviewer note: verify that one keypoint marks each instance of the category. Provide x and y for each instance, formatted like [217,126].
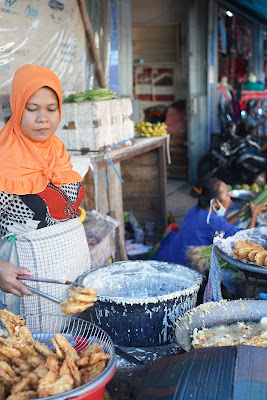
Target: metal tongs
[43,294]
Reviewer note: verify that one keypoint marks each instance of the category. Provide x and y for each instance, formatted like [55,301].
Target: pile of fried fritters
[29,369]
[250,251]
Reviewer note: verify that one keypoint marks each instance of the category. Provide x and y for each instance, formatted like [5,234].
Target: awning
[255,8]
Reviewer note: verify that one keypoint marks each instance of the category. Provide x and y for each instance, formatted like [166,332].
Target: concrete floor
[179,200]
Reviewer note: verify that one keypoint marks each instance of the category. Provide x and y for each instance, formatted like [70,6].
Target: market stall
[137,183]
[122,173]
[253,109]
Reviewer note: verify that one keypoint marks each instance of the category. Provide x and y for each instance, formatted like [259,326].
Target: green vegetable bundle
[261,198]
[199,258]
[91,95]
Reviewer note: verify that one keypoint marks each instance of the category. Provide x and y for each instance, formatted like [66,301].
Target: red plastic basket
[80,334]
[97,393]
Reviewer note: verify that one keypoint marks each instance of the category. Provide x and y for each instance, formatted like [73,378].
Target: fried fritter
[250,251]
[78,300]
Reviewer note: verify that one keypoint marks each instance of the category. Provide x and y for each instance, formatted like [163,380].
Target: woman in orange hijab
[40,193]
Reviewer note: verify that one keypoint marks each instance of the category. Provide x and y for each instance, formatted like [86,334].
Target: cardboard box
[95,125]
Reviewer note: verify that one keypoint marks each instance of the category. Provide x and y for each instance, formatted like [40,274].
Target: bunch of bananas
[147,129]
[83,214]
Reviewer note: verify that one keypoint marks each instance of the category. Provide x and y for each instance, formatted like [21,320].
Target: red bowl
[98,392]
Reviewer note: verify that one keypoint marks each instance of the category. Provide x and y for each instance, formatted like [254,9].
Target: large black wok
[216,313]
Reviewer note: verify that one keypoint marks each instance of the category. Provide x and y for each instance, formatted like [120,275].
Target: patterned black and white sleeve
[5,200]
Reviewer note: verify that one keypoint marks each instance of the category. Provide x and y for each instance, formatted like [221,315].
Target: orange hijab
[27,166]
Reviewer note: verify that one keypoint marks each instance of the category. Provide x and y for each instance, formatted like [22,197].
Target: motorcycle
[236,158]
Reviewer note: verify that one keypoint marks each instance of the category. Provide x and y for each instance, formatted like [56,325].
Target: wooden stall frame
[109,198]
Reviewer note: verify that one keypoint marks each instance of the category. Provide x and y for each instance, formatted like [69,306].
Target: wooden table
[142,167]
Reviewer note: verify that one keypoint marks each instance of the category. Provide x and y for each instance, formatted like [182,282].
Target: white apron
[59,252]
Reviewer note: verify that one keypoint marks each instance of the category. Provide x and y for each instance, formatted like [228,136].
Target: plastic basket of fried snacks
[76,362]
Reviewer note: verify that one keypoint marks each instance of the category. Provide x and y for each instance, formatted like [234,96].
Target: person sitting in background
[203,220]
[252,83]
[225,103]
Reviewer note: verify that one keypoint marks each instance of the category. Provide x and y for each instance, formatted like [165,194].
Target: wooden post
[90,35]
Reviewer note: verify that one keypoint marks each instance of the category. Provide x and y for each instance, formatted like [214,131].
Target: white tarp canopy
[48,33]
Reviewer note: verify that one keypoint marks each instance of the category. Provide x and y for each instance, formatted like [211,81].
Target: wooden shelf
[142,166]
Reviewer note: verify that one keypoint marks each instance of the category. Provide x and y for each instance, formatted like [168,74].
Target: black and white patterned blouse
[48,207]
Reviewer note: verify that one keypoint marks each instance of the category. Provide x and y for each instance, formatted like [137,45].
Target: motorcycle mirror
[228,116]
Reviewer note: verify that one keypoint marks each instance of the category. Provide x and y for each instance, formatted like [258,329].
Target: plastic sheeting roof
[258,8]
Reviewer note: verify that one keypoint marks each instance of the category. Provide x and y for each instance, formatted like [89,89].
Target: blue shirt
[195,231]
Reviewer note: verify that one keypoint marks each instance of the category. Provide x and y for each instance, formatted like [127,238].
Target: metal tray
[242,195]
[224,249]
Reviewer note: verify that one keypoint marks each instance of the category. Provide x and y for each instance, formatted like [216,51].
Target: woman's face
[224,197]
[40,117]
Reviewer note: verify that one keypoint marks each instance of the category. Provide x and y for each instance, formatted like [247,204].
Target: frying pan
[217,313]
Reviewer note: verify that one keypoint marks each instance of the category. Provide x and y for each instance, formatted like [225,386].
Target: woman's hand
[256,210]
[235,217]
[9,282]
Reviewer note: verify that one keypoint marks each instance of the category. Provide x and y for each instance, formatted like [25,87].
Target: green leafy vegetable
[90,95]
[261,198]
